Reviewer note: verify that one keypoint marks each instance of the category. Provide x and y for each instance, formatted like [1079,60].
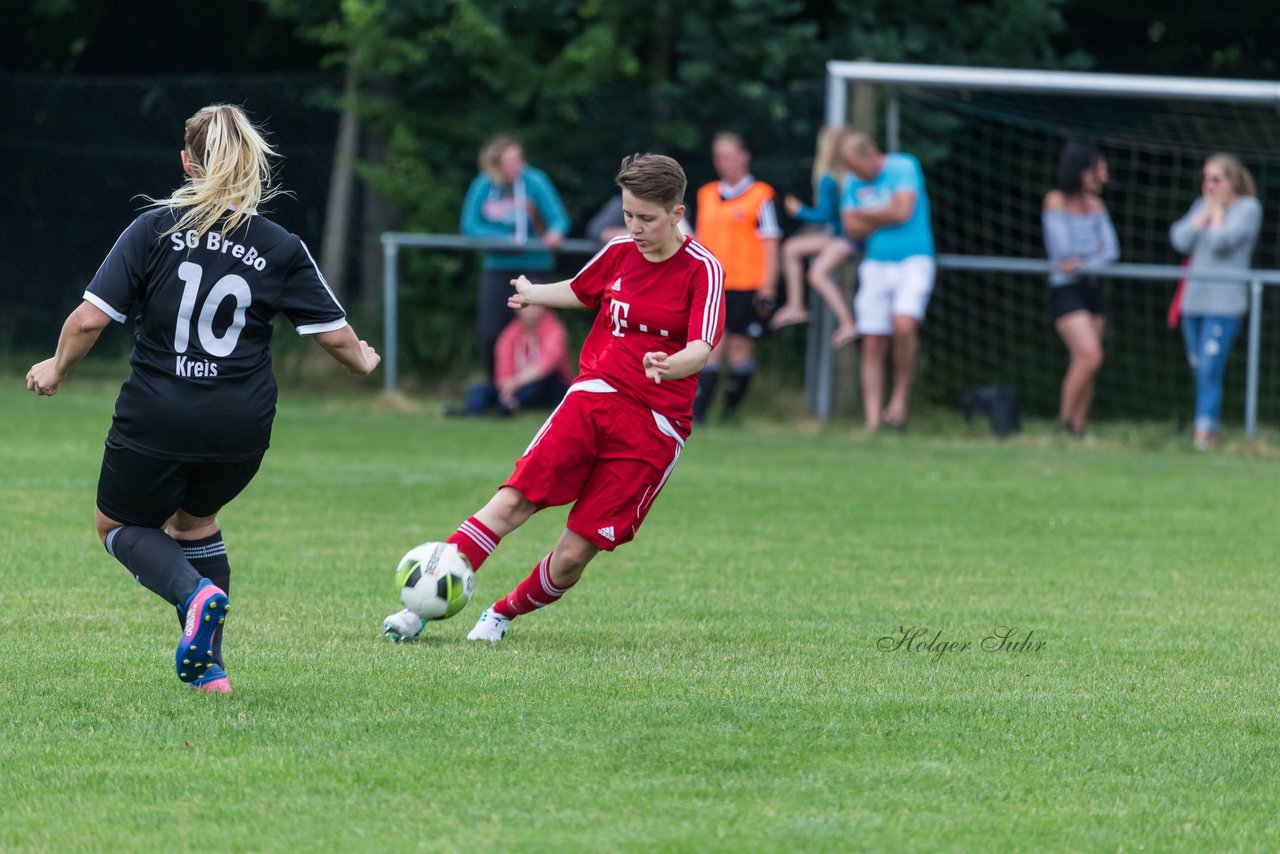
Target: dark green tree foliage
[1189,39]
[584,83]
[105,37]
[998,33]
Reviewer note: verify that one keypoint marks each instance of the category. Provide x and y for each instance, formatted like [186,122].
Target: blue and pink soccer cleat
[206,611]
[214,681]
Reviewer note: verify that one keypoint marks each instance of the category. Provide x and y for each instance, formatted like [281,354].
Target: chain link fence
[77,152]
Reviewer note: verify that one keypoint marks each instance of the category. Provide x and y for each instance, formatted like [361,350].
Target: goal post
[988,140]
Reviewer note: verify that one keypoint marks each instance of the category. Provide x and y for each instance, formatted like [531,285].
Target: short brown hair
[653,178]
[730,136]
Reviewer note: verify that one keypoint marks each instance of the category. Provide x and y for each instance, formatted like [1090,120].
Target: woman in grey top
[1077,233]
[1218,232]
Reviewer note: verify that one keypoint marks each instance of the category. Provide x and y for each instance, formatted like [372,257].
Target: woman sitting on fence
[827,246]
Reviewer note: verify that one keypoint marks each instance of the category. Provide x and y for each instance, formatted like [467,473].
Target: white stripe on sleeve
[323,281]
[106,308]
[715,289]
[625,238]
[768,216]
[317,328]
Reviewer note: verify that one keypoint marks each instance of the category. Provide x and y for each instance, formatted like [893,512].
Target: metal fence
[1178,134]
[819,362]
[820,376]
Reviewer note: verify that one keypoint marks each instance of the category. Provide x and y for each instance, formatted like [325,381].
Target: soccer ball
[434,580]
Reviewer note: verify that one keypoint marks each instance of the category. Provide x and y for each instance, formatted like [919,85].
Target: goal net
[990,156]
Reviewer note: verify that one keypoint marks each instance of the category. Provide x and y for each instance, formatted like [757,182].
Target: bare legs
[874,350]
[828,253]
[571,556]
[822,279]
[905,344]
[1081,331]
[508,510]
[794,252]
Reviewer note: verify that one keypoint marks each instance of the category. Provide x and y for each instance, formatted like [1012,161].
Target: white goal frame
[819,367]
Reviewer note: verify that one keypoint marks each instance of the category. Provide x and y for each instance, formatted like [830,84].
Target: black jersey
[201,386]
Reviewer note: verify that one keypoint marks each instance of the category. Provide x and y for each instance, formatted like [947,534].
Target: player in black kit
[204,274]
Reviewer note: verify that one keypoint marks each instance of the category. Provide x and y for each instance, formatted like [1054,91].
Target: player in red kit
[610,446]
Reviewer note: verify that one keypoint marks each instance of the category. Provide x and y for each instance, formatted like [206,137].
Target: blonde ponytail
[230,171]
[827,159]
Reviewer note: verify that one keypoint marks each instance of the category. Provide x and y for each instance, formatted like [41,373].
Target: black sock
[156,561]
[707,381]
[209,557]
[735,388]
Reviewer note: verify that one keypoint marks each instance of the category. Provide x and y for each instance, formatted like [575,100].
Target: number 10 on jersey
[229,286]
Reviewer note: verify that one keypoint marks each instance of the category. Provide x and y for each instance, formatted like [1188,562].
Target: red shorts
[606,454]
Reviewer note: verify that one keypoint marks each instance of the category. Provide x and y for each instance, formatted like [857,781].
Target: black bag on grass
[998,403]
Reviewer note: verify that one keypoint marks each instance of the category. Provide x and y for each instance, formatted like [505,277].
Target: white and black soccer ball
[435,581]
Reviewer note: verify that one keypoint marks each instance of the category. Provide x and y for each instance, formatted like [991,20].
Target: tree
[102,37]
[585,82]
[1186,39]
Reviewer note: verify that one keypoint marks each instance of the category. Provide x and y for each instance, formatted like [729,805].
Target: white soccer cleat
[491,627]
[403,626]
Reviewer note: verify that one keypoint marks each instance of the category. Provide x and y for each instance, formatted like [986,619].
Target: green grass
[715,685]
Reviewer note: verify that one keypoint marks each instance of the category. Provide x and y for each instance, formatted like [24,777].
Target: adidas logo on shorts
[606,532]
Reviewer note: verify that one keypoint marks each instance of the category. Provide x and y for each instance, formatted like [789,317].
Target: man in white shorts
[885,203]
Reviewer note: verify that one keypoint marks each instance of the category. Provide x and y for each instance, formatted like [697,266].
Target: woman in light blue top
[1078,233]
[826,246]
[512,200]
[1218,232]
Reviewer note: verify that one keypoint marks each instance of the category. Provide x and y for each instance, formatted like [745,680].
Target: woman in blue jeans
[1218,233]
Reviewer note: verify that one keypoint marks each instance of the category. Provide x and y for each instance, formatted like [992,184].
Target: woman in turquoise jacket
[513,200]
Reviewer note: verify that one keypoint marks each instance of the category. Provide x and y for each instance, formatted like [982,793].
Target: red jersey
[646,306]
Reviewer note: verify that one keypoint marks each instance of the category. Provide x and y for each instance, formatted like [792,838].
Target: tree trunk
[337,217]
[660,51]
[377,215]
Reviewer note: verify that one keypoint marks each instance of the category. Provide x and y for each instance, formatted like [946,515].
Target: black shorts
[1084,295]
[140,490]
[744,316]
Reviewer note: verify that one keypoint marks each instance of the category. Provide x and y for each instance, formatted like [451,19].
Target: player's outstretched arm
[79,333]
[690,360]
[351,352]
[553,295]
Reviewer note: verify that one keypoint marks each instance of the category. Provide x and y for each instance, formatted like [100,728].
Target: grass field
[720,684]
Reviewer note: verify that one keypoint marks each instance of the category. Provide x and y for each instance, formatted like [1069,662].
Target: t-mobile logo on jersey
[618,311]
